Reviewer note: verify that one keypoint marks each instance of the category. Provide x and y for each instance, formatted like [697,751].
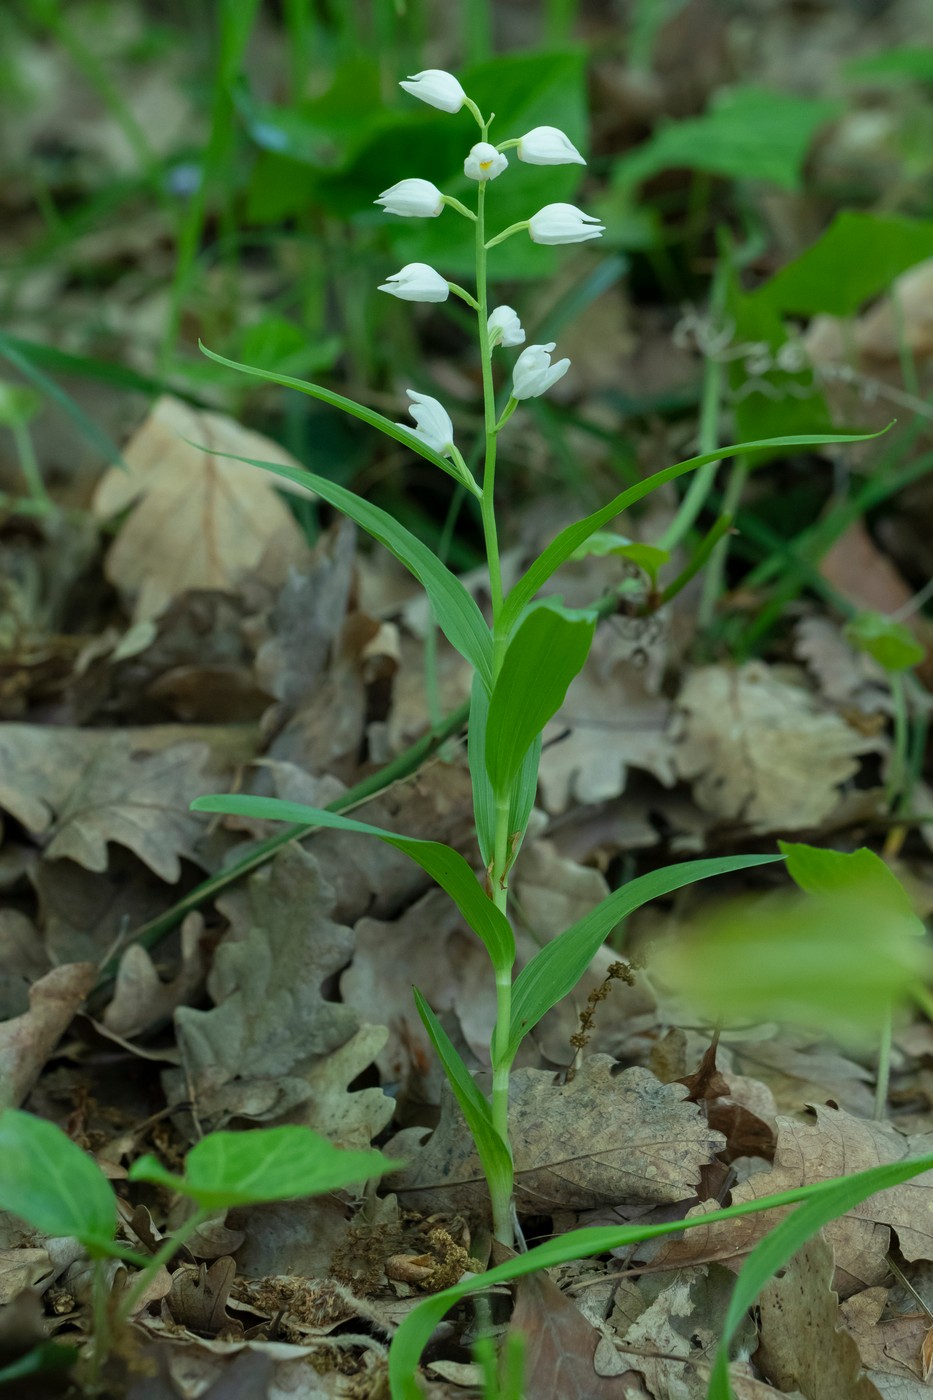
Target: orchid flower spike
[414,199]
[534,374]
[437,88]
[417,282]
[504,328]
[484,162]
[563,223]
[434,426]
[546,145]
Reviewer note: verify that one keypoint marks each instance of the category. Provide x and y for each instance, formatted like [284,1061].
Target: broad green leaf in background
[836,957]
[563,545]
[891,644]
[48,1181]
[493,1152]
[17,404]
[547,651]
[524,789]
[264,1164]
[749,133]
[47,1356]
[441,862]
[558,967]
[908,64]
[824,1201]
[857,257]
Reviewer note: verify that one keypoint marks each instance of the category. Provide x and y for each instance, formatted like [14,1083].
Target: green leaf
[906,64]
[19,354]
[443,864]
[862,874]
[891,644]
[750,133]
[857,257]
[48,1181]
[648,557]
[831,1200]
[524,789]
[493,1152]
[47,1356]
[548,650]
[558,967]
[835,958]
[563,545]
[17,404]
[834,1196]
[264,1164]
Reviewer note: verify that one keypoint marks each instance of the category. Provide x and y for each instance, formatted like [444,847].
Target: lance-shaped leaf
[558,967]
[543,657]
[524,788]
[570,539]
[493,1153]
[266,1164]
[441,862]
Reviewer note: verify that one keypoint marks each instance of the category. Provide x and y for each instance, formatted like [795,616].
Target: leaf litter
[287,995]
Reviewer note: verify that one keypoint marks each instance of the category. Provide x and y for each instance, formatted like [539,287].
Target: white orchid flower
[417,281]
[504,327]
[563,223]
[413,199]
[437,88]
[546,145]
[434,426]
[484,162]
[534,374]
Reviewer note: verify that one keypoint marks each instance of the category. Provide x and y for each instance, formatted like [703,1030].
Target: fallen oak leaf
[27,1041]
[602,1138]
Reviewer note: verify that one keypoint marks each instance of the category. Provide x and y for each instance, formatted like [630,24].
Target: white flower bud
[434,425]
[534,374]
[437,88]
[413,199]
[546,145]
[504,327]
[563,223]
[484,162]
[417,282]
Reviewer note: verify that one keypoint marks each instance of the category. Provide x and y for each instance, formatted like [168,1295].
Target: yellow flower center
[485,164]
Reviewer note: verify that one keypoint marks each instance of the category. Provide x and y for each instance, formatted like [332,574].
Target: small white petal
[504,327]
[437,88]
[417,282]
[547,145]
[413,199]
[563,223]
[434,426]
[534,374]
[484,162]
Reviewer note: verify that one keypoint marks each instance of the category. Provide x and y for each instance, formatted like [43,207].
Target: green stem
[29,466]
[714,579]
[167,1251]
[501,1193]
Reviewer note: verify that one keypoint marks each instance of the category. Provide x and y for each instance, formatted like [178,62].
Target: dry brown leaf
[348,1120]
[23,960]
[891,1349]
[802,1343]
[198,1296]
[760,749]
[603,1138]
[141,998]
[836,1144]
[560,1346]
[615,723]
[799,1072]
[21,1268]
[247,1056]
[197,519]
[27,1041]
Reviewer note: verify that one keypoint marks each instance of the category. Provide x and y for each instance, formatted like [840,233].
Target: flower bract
[546,145]
[417,281]
[437,88]
[434,425]
[563,223]
[413,199]
[484,162]
[534,374]
[504,327]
